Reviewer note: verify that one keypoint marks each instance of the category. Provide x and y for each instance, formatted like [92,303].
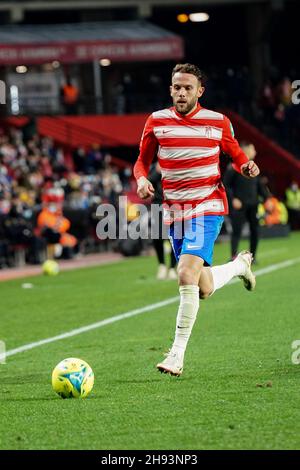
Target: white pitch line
[265,254]
[132,313]
[92,326]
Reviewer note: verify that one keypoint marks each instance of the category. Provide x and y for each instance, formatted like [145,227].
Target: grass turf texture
[239,389]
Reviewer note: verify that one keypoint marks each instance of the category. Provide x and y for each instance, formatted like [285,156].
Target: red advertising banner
[86,51]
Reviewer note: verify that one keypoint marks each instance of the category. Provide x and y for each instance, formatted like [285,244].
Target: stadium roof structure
[84,42]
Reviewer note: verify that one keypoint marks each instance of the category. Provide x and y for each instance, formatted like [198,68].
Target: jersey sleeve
[230,146]
[148,150]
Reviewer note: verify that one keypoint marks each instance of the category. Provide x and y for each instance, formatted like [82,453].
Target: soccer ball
[72,378]
[50,267]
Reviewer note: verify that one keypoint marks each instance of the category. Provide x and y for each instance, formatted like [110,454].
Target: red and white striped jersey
[188,149]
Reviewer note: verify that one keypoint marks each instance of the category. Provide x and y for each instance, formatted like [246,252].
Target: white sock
[187,314]
[225,272]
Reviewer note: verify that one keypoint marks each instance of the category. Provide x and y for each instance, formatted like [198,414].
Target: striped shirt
[188,150]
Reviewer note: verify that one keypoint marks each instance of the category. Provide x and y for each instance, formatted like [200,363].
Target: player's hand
[236,203]
[250,169]
[144,188]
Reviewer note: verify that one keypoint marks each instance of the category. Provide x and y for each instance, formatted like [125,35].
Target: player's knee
[187,275]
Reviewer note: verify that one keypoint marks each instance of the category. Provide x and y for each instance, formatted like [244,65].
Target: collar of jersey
[182,116]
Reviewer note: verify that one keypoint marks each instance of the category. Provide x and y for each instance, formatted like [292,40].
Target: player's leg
[189,269]
[193,251]
[206,283]
[216,277]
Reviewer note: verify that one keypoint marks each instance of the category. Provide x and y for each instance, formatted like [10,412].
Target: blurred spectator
[18,229]
[272,212]
[80,192]
[292,198]
[94,159]
[53,226]
[284,92]
[29,129]
[70,96]
[243,196]
[111,186]
[5,200]
[4,178]
[45,166]
[79,158]
[126,178]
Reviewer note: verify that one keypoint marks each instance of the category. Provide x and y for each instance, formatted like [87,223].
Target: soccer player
[187,140]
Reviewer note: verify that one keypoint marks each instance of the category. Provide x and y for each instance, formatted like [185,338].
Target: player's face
[185,91]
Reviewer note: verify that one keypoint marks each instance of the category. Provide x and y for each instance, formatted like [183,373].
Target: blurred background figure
[292,197]
[54,227]
[70,96]
[243,196]
[18,228]
[163,272]
[272,212]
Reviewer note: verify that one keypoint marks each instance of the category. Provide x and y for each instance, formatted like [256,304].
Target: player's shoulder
[209,114]
[214,118]
[167,113]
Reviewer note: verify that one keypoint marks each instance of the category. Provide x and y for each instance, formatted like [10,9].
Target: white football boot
[248,277]
[173,364]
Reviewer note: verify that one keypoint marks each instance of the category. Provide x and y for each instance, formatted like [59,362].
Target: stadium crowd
[48,197]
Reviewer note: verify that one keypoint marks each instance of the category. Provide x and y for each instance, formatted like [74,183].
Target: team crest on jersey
[208,132]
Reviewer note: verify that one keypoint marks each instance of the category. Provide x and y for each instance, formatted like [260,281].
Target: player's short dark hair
[189,68]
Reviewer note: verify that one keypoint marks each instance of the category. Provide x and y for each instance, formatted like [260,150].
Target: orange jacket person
[48,219]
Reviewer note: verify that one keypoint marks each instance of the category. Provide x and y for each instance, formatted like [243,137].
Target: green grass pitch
[239,389]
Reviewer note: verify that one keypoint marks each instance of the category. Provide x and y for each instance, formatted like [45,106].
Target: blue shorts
[196,237]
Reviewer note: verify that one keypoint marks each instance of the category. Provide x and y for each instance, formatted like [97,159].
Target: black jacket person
[243,196]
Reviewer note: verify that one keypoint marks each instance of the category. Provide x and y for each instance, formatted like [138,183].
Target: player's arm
[230,145]
[148,149]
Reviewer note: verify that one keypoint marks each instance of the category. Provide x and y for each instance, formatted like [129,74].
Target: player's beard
[185,108]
